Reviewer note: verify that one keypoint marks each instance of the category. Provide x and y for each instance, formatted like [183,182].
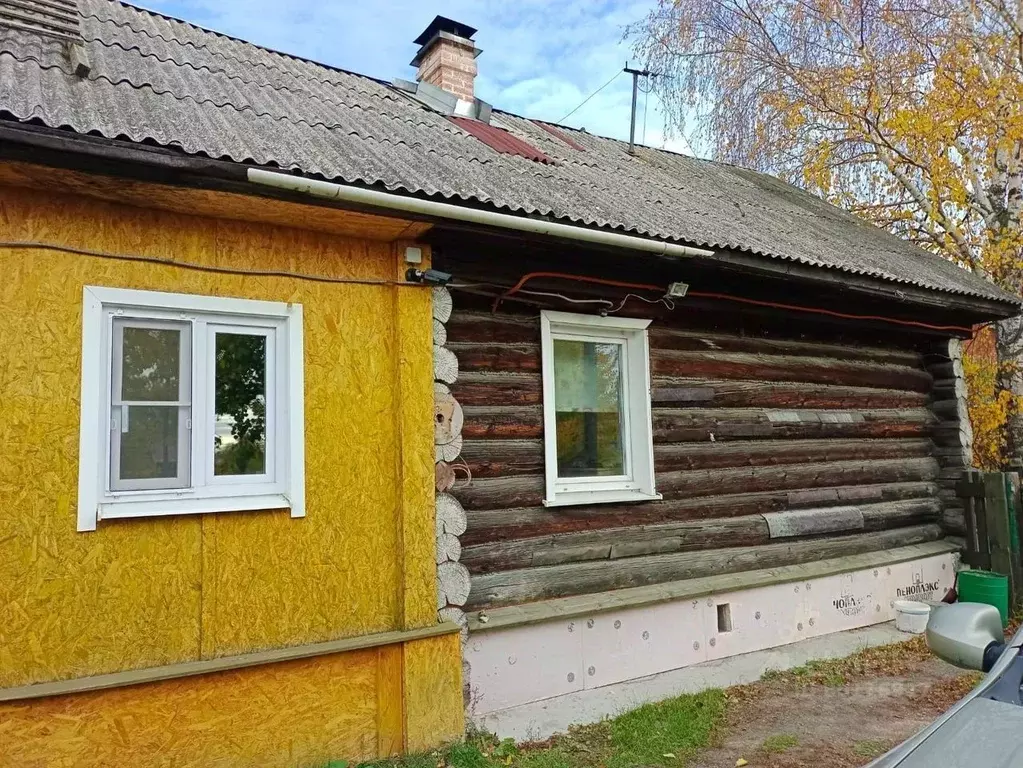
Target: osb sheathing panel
[300,713]
[434,709]
[221,205]
[146,592]
[414,340]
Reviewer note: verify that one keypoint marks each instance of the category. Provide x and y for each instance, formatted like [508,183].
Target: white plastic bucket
[911,616]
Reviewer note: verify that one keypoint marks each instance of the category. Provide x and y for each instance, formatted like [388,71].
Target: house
[328,401]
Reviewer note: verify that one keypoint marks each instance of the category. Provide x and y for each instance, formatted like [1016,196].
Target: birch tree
[907,112]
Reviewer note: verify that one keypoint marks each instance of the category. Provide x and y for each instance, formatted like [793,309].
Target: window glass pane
[239,442]
[151,364]
[149,441]
[588,405]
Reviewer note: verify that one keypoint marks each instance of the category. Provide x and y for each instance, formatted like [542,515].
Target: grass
[882,661]
[779,743]
[667,734]
[870,749]
[671,732]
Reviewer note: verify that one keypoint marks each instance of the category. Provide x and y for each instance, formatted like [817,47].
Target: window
[189,404]
[596,397]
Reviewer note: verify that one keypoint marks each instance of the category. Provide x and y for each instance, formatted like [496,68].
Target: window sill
[117,510]
[575,498]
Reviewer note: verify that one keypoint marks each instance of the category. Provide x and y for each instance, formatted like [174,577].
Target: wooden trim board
[586,605]
[226,663]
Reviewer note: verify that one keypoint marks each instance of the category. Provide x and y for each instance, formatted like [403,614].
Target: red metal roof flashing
[500,140]
[559,135]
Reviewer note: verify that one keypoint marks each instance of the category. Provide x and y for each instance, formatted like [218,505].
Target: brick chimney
[447,57]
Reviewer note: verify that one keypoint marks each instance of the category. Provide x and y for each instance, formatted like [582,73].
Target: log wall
[744,424]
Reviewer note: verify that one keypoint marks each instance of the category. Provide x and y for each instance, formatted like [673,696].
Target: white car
[985,728]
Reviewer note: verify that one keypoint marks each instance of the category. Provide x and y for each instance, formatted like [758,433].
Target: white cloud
[540,59]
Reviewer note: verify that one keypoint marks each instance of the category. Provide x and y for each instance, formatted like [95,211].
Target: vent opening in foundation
[724,617]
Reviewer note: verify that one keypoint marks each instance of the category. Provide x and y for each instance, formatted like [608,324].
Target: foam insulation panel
[519,665]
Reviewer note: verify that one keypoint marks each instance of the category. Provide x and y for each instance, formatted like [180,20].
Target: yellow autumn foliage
[907,112]
[990,406]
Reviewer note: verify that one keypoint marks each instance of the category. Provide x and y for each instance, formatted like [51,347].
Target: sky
[541,58]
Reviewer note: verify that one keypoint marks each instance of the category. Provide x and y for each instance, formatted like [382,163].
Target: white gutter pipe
[376,199]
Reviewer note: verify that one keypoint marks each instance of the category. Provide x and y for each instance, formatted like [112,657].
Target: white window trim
[639,484]
[96,502]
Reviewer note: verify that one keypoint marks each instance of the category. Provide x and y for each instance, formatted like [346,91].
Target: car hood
[984,732]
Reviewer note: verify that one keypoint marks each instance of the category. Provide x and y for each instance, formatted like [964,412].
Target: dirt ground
[834,722]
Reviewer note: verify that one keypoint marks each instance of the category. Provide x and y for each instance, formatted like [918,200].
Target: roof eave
[188,168]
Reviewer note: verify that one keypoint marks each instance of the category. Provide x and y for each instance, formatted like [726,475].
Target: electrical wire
[566,298]
[663,300]
[517,288]
[605,85]
[168,262]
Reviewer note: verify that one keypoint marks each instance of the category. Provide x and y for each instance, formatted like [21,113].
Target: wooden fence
[992,508]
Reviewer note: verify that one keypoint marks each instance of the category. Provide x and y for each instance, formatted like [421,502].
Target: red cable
[830,313]
[727,297]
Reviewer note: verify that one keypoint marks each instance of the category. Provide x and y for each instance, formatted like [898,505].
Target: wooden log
[489,388]
[447,424]
[715,365]
[451,517]
[681,456]
[946,410]
[452,585]
[714,482]
[615,543]
[457,617]
[677,392]
[440,333]
[526,388]
[513,422]
[945,389]
[494,524]
[528,490]
[445,365]
[690,425]
[662,337]
[735,365]
[946,370]
[528,584]
[677,425]
[448,548]
[951,434]
[441,304]
[953,521]
[488,328]
[497,357]
[502,458]
[443,476]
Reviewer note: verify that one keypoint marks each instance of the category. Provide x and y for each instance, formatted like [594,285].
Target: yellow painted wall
[139,593]
[299,713]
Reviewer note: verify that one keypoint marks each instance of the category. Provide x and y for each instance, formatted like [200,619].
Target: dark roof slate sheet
[164,81]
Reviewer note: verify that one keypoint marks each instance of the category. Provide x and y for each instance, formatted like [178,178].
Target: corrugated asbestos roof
[53,18]
[160,80]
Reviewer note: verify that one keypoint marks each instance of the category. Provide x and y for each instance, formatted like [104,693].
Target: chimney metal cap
[444,24]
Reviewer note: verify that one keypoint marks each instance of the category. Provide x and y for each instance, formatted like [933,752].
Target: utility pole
[636,73]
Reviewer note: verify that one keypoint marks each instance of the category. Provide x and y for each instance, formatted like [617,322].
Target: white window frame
[637,484]
[282,486]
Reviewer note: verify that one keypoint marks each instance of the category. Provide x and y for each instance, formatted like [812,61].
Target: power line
[605,85]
